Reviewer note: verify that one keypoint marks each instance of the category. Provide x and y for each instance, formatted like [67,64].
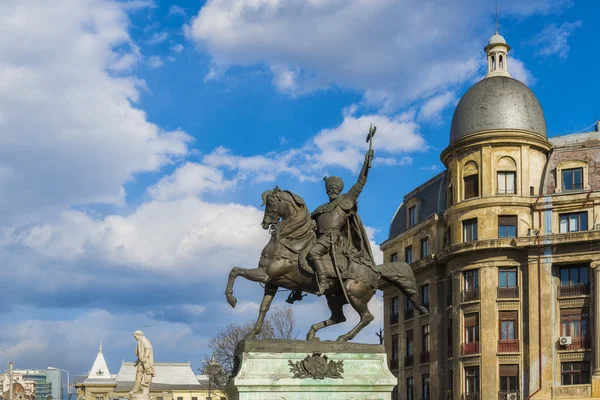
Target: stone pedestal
[300,370]
[139,396]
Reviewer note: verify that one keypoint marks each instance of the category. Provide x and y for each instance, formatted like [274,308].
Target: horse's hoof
[232,301]
[342,338]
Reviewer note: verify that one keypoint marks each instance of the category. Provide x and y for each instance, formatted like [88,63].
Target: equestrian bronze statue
[326,253]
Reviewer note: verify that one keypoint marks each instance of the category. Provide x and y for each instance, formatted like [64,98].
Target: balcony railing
[471,396]
[409,361]
[508,292]
[578,343]
[424,358]
[393,319]
[409,314]
[508,346]
[394,364]
[509,395]
[579,289]
[470,348]
[470,295]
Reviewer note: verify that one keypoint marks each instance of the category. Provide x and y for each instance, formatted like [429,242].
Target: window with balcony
[412,216]
[394,310]
[575,322]
[509,382]
[572,179]
[409,309]
[394,355]
[409,388]
[424,248]
[425,386]
[575,373]
[507,183]
[471,383]
[507,284]
[425,296]
[573,222]
[408,255]
[394,257]
[507,226]
[574,281]
[471,286]
[470,230]
[509,339]
[471,340]
[410,350]
[424,344]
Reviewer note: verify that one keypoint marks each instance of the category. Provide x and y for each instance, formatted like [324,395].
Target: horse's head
[279,204]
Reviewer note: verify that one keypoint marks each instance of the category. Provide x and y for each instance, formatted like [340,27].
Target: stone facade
[509,271]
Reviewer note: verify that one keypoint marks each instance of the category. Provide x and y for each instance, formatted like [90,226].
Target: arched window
[493,56]
[507,176]
[471,180]
[501,62]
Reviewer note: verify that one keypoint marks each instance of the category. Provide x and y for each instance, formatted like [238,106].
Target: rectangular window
[471,380]
[424,248]
[409,388]
[508,325]
[409,343]
[394,310]
[574,222]
[575,373]
[574,281]
[470,230]
[575,322]
[425,385]
[471,186]
[509,379]
[194,398]
[394,358]
[179,398]
[394,257]
[408,308]
[572,179]
[425,338]
[425,296]
[412,216]
[507,183]
[471,279]
[472,328]
[507,226]
[408,254]
[507,278]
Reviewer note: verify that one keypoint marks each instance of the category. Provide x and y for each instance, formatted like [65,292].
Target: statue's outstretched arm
[355,190]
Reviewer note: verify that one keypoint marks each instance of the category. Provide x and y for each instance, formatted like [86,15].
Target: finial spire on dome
[496,18]
[100,348]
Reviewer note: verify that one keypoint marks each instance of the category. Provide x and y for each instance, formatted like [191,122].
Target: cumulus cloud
[158,37]
[176,10]
[178,48]
[517,70]
[392,54]
[155,62]
[70,132]
[553,40]
[432,108]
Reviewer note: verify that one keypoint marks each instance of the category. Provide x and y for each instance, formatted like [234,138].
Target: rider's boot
[320,274]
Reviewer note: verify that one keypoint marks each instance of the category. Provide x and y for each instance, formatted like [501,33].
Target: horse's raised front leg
[336,305]
[359,295]
[256,275]
[270,292]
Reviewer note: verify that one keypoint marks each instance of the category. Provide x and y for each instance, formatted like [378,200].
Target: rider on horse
[337,216]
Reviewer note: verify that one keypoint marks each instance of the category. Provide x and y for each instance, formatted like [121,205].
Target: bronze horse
[292,233]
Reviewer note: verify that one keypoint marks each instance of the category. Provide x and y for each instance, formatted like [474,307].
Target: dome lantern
[497,55]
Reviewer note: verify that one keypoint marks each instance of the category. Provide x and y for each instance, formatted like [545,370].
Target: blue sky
[137,136]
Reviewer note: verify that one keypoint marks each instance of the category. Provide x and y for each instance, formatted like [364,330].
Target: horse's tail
[400,275]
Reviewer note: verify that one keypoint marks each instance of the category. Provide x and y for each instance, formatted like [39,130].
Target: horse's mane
[298,225]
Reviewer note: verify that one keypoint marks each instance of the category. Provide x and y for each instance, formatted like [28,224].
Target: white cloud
[155,62]
[178,48]
[517,70]
[392,54]
[553,39]
[191,179]
[70,132]
[158,37]
[433,107]
[176,10]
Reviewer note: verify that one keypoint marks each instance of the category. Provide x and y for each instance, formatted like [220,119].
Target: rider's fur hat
[334,182]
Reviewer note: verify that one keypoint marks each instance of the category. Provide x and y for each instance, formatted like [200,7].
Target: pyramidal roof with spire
[99,372]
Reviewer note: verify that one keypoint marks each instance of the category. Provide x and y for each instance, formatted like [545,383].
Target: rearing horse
[292,233]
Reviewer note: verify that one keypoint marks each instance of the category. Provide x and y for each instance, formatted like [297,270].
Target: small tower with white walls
[497,55]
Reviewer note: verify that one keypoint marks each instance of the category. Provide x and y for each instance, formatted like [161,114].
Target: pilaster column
[596,288]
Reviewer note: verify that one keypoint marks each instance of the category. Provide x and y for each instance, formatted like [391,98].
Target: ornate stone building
[505,245]
[172,381]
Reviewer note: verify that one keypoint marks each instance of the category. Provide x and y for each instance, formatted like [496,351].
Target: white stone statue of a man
[144,364]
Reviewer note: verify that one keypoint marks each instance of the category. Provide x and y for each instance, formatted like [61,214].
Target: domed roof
[497,39]
[498,102]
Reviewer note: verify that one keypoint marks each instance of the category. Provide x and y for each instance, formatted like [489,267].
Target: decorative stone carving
[472,361]
[508,305]
[509,359]
[572,390]
[573,356]
[471,307]
[574,303]
[317,366]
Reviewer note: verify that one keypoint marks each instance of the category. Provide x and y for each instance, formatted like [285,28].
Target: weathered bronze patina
[326,253]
